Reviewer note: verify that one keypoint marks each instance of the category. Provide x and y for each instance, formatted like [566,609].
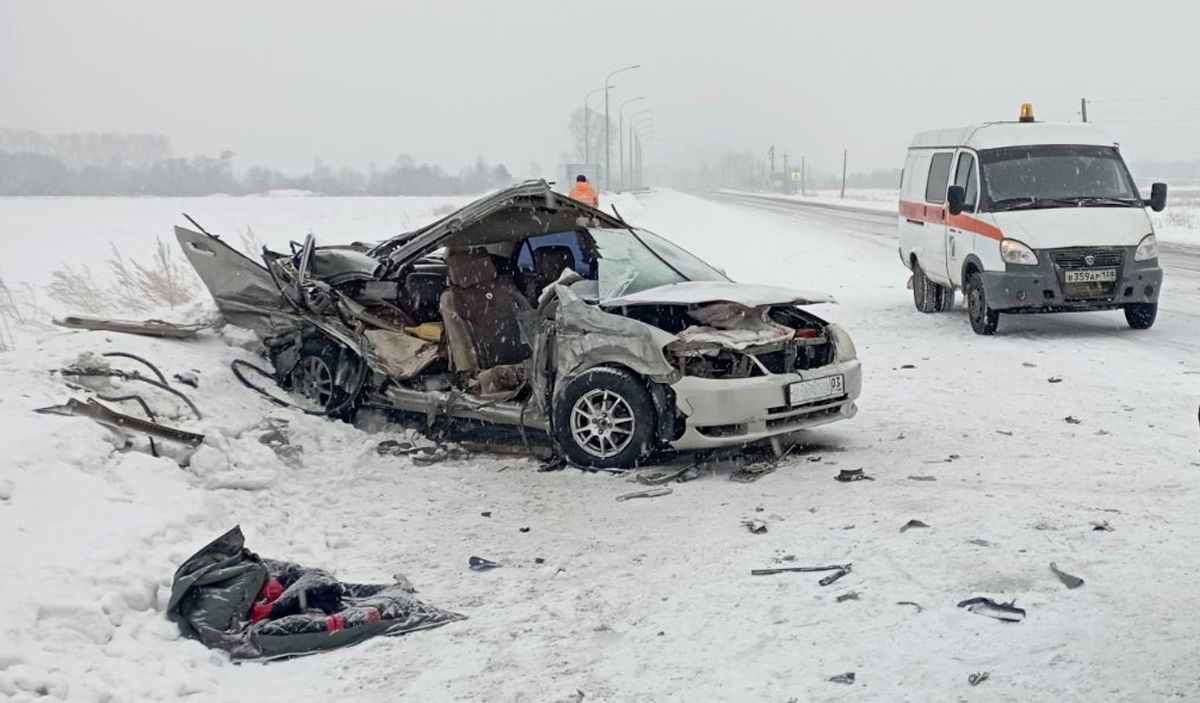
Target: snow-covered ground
[643,600]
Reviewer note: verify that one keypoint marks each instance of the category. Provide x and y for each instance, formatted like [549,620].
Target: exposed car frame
[518,310]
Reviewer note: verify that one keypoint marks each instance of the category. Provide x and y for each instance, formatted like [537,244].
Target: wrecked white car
[532,310]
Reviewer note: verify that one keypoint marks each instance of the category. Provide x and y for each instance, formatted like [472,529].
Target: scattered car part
[846,678]
[188,378]
[749,473]
[922,478]
[1054,379]
[1068,580]
[1101,526]
[111,418]
[236,367]
[1072,420]
[149,328]
[648,493]
[130,376]
[126,355]
[849,475]
[978,677]
[145,408]
[834,576]
[849,595]
[655,477]
[757,527]
[1008,612]
[481,564]
[840,569]
[911,524]
[908,602]
[979,542]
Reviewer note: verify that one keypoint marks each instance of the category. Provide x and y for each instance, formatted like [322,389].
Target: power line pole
[802,169]
[786,176]
[771,173]
[1083,108]
[843,195]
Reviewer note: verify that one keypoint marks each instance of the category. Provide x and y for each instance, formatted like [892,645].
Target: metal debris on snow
[848,475]
[1072,420]
[481,564]
[908,602]
[911,524]
[648,493]
[1101,526]
[978,677]
[757,527]
[849,595]
[847,678]
[1007,612]
[1068,580]
[922,478]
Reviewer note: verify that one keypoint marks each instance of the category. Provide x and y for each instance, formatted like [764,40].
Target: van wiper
[1103,201]
[1028,203]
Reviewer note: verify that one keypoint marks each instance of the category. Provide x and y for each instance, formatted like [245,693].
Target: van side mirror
[1158,197]
[955,197]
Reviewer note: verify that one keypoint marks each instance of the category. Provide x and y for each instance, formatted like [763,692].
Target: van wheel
[1141,316]
[984,320]
[945,301]
[925,291]
[605,420]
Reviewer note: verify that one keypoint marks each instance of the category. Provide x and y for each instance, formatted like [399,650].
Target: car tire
[925,291]
[314,375]
[1141,316]
[984,320]
[605,419]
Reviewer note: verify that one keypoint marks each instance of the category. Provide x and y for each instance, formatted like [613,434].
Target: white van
[1027,217]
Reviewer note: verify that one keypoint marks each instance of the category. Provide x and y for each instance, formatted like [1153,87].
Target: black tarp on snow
[229,598]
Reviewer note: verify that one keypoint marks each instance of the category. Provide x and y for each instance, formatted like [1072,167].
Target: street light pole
[587,123]
[607,136]
[621,135]
[645,120]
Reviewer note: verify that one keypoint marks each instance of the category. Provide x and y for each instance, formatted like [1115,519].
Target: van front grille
[1079,258]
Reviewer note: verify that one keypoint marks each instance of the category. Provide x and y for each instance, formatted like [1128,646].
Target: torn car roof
[698,292]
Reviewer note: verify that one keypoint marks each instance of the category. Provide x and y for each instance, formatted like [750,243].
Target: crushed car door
[244,291]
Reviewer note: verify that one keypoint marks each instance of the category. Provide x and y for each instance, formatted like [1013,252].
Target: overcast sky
[445,81]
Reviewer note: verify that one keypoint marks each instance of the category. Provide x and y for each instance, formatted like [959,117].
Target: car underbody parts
[648,493]
[122,423]
[149,328]
[849,475]
[1007,612]
[236,367]
[1068,580]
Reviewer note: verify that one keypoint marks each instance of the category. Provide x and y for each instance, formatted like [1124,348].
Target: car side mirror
[956,196]
[1158,197]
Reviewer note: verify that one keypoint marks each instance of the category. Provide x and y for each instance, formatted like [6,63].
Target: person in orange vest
[584,192]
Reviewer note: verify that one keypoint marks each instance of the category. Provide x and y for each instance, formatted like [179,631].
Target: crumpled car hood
[698,292]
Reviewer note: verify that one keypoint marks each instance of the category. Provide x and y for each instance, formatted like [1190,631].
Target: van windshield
[1054,176]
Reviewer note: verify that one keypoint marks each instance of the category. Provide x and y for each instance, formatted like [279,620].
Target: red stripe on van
[937,215]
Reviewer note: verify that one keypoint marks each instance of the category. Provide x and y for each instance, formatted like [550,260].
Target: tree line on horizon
[110,164]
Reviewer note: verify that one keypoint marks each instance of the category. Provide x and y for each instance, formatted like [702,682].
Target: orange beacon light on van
[1026,112]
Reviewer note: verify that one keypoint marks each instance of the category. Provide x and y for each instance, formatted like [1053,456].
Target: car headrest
[467,269]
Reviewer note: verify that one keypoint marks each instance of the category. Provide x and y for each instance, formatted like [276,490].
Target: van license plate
[1092,276]
[802,392]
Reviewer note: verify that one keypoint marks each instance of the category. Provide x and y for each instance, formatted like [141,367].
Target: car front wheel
[1141,316]
[984,320]
[605,419]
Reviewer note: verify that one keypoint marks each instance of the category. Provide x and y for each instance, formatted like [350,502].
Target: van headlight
[1147,248]
[843,346]
[1014,252]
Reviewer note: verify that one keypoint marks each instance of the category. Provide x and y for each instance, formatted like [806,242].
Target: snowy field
[642,600]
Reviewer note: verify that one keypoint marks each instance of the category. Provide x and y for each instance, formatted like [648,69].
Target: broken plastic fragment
[481,564]
[847,678]
[978,677]
[1007,612]
[757,527]
[848,475]
[911,524]
[1068,580]
[648,493]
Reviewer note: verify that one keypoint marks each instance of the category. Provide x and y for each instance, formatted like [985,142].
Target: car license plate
[802,392]
[1091,276]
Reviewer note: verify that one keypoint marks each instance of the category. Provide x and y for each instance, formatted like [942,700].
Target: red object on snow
[333,623]
[268,594]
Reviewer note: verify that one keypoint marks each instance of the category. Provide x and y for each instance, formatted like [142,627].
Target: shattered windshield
[1050,176]
[631,262]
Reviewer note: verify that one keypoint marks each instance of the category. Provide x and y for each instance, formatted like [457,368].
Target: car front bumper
[731,412]
[1043,287]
